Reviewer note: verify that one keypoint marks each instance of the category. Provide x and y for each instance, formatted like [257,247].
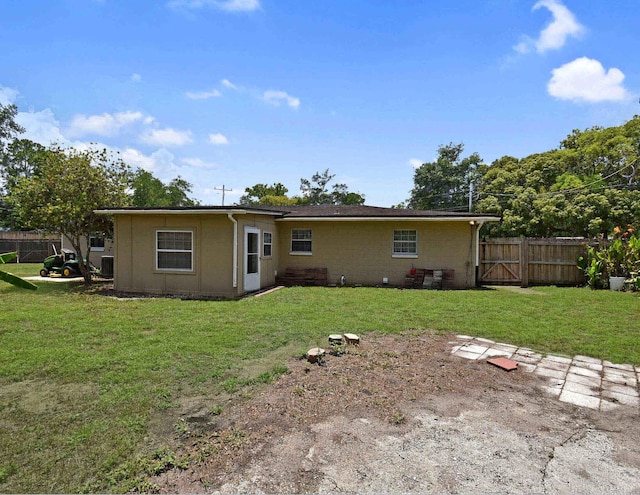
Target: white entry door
[251,259]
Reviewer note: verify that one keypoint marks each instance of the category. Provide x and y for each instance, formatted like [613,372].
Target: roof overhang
[470,219]
[193,211]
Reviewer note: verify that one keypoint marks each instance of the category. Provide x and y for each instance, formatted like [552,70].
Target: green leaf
[6,257]
[17,281]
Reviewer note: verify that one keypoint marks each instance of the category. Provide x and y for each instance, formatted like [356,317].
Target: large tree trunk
[85,270]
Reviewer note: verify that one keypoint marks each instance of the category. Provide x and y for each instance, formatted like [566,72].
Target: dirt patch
[400,414]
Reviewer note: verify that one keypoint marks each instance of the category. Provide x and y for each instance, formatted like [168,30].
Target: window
[405,243]
[301,241]
[174,250]
[267,244]
[96,241]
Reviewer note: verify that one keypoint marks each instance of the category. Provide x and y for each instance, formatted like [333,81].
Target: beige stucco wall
[362,251]
[96,254]
[213,267]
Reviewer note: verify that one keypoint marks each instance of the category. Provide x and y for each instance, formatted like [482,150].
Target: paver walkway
[581,380]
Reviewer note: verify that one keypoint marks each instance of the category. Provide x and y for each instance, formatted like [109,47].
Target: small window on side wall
[174,250]
[96,241]
[301,241]
[405,243]
[267,244]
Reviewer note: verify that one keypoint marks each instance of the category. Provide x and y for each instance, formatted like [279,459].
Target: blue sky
[239,92]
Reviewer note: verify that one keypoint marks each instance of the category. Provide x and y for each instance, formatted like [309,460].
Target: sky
[239,92]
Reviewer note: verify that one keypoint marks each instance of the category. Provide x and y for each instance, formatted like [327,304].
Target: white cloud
[41,127]
[227,5]
[415,163]
[203,95]
[238,5]
[102,125]
[554,36]
[228,84]
[218,139]
[198,163]
[166,137]
[161,162]
[135,77]
[137,159]
[8,95]
[277,97]
[586,79]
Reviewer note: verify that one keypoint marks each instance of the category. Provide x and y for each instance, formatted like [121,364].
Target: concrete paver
[580,380]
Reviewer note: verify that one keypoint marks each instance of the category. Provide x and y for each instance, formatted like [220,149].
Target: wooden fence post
[524,262]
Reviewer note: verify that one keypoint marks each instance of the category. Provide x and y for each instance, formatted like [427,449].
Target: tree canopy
[444,184]
[70,185]
[315,191]
[263,194]
[152,192]
[586,187]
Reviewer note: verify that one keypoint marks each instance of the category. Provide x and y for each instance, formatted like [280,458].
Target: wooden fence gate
[531,261]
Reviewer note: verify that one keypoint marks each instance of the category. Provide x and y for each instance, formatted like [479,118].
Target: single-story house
[211,251]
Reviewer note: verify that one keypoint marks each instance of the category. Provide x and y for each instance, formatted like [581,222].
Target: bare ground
[399,414]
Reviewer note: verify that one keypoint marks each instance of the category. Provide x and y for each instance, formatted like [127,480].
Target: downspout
[235,250]
[478,226]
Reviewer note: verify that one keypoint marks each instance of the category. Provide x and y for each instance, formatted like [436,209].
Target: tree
[263,194]
[70,185]
[9,129]
[22,158]
[445,183]
[149,191]
[588,186]
[316,192]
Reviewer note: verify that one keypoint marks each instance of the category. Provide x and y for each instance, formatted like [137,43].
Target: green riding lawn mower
[64,264]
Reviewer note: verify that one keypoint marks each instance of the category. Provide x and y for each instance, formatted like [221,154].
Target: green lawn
[83,376]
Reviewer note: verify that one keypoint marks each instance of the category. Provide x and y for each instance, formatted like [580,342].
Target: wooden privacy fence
[30,246]
[528,261]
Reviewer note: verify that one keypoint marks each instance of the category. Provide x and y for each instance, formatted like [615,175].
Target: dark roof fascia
[195,210]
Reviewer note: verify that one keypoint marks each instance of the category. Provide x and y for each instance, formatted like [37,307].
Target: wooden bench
[302,276]
[430,278]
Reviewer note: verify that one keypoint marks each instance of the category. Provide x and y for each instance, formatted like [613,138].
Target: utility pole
[223,191]
[470,196]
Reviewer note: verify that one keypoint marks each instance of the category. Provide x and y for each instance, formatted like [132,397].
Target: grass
[83,377]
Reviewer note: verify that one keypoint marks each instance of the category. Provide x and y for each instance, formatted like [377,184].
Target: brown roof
[359,211]
[312,211]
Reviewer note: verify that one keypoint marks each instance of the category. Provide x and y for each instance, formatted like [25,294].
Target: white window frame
[303,239]
[265,244]
[397,243]
[157,250]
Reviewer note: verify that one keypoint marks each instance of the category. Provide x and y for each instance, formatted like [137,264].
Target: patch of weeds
[133,476]
[163,460]
[230,385]
[338,348]
[397,418]
[216,410]
[299,391]
[141,485]
[234,437]
[7,470]
[181,427]
[163,400]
